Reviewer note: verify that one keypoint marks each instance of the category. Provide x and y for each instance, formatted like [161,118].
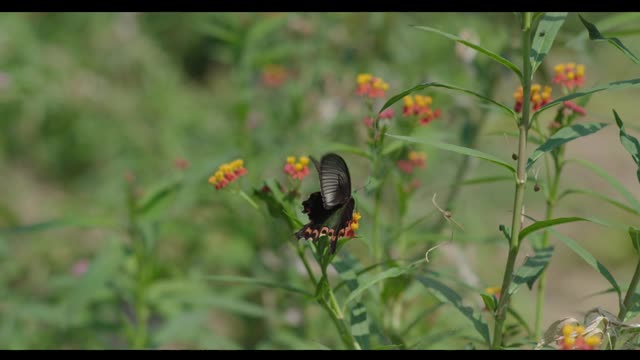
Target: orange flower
[569,75]
[353,225]
[274,75]
[227,173]
[569,341]
[370,86]
[297,170]
[420,105]
[414,159]
[538,98]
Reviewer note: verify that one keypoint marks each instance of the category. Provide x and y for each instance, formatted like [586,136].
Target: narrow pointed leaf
[539,225]
[364,284]
[511,66]
[594,34]
[446,294]
[616,85]
[635,238]
[546,33]
[599,196]
[564,136]
[532,268]
[588,258]
[631,200]
[457,149]
[260,282]
[629,142]
[423,86]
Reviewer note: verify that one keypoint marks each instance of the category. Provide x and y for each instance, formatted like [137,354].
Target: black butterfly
[330,210]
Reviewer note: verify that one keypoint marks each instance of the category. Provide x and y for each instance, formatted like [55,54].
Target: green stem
[521,180]
[551,202]
[332,306]
[628,299]
[249,199]
[377,253]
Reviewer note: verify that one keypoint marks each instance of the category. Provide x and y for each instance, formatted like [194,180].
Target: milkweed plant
[364,297]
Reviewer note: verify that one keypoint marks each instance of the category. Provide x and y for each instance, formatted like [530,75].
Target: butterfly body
[330,210]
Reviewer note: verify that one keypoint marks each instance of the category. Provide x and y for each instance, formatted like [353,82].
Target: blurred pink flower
[80,267]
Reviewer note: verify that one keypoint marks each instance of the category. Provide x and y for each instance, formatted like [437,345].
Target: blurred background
[99,110]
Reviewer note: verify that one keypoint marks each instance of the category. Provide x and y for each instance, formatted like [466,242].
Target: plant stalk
[521,180]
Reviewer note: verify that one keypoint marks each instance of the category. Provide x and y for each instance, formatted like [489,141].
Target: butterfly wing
[335,181]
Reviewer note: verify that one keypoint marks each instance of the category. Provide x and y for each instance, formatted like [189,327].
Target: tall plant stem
[551,202]
[521,180]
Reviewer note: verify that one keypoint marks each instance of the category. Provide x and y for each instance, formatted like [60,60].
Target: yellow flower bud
[291,159]
[592,340]
[299,167]
[364,78]
[354,226]
[304,160]
[559,68]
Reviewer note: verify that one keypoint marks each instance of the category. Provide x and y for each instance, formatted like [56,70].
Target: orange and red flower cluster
[371,86]
[538,98]
[297,170]
[569,341]
[420,105]
[569,75]
[227,173]
[274,75]
[415,159]
[387,114]
[353,225]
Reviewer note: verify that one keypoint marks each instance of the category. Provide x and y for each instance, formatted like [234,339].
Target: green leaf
[539,225]
[458,149]
[486,180]
[635,238]
[489,302]
[588,258]
[258,282]
[346,267]
[631,200]
[423,86]
[360,325]
[157,197]
[60,223]
[446,294]
[393,272]
[564,136]
[335,147]
[594,34]
[532,268]
[616,85]
[545,35]
[600,197]
[511,66]
[629,142]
